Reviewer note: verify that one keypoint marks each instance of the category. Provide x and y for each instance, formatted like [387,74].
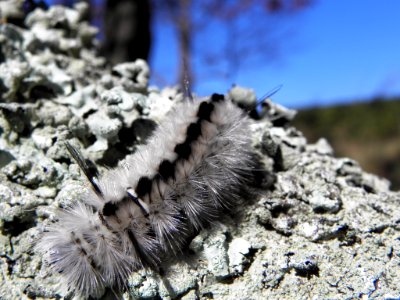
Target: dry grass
[367,132]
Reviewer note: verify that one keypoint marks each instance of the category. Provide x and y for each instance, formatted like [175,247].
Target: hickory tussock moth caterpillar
[195,165]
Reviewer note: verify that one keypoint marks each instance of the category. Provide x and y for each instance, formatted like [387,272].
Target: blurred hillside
[368,132]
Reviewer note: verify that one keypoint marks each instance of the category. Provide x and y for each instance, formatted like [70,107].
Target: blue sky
[340,51]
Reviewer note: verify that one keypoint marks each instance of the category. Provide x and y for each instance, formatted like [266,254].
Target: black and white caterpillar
[195,165]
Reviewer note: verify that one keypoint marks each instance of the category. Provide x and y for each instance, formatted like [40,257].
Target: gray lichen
[322,229]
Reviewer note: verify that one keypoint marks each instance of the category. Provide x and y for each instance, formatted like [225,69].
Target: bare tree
[248,31]
[247,24]
[127,30]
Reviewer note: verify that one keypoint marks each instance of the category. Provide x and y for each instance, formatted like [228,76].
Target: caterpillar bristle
[195,166]
[87,167]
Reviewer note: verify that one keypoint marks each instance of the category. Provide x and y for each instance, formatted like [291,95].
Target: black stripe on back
[205,110]
[143,187]
[183,150]
[217,97]
[193,131]
[109,209]
[166,169]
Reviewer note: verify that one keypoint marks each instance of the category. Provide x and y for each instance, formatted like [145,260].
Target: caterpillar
[195,166]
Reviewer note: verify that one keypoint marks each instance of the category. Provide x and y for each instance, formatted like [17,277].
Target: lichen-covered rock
[319,228]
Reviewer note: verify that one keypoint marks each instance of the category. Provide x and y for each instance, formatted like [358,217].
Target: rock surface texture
[322,229]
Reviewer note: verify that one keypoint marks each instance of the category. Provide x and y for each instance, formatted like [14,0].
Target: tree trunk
[185,43]
[127,30]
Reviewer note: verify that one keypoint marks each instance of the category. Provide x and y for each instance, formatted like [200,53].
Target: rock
[320,228]
[135,75]
[216,255]
[238,251]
